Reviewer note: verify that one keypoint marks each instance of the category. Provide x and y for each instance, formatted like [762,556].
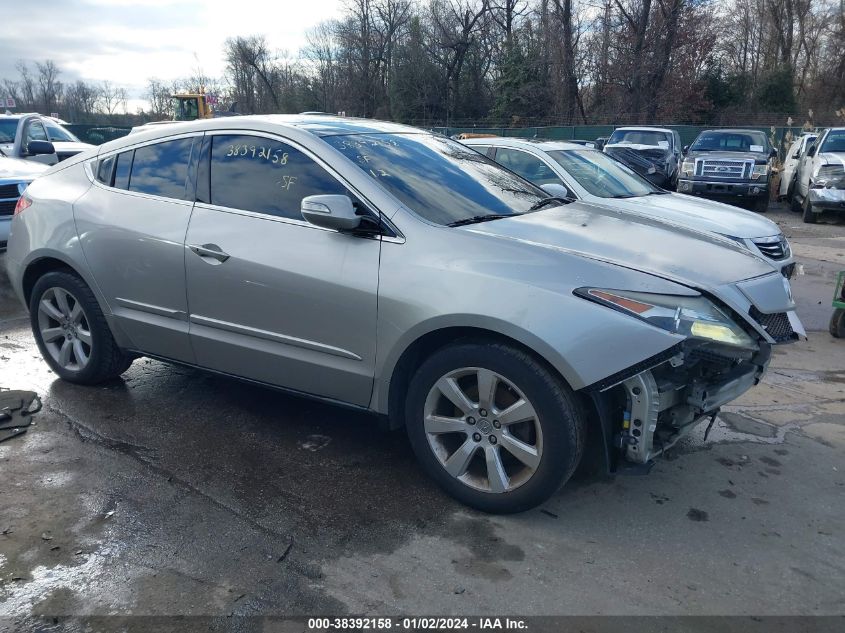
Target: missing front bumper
[664,403]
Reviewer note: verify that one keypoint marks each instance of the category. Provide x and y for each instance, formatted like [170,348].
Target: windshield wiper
[480,218]
[554,199]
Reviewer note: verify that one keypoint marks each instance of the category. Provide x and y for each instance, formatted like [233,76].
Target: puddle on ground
[732,428]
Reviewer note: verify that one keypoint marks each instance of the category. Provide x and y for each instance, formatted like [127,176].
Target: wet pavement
[172,491]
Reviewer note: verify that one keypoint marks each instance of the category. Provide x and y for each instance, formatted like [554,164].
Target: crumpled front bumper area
[656,407]
[829,198]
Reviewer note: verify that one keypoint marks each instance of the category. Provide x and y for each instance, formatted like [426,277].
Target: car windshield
[601,175]
[730,142]
[57,133]
[438,178]
[834,142]
[641,137]
[8,127]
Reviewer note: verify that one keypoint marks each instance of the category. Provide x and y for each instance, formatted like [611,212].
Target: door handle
[209,250]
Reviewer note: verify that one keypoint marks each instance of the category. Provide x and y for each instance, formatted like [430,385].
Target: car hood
[699,214]
[832,158]
[757,158]
[22,169]
[68,147]
[638,242]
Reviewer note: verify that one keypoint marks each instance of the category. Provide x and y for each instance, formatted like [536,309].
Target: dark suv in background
[732,166]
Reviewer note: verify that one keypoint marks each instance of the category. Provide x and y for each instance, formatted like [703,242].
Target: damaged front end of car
[647,408]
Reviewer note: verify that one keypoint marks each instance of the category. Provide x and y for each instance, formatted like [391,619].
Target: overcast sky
[128,41]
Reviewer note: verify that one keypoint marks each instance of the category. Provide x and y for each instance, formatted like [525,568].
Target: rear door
[271,297]
[132,225]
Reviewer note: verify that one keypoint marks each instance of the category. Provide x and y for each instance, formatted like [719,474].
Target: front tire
[493,426]
[71,331]
[761,205]
[807,208]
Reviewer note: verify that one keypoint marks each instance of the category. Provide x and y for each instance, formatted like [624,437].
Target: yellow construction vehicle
[192,106]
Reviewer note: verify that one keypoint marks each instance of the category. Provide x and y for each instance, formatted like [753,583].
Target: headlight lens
[688,167]
[827,175]
[758,171]
[695,317]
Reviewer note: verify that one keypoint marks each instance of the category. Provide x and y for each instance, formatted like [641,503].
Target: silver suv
[397,271]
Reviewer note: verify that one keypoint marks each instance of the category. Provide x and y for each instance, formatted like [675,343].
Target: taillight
[23,204]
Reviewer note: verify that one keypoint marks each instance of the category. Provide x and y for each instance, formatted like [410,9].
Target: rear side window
[266,176]
[121,171]
[161,169]
[104,170]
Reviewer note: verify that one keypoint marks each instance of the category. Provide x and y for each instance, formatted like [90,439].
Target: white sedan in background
[592,176]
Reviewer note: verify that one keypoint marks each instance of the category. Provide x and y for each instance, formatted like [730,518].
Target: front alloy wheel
[483,430]
[493,425]
[64,329]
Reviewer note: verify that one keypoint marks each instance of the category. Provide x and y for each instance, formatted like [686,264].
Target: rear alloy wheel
[493,427]
[809,216]
[71,331]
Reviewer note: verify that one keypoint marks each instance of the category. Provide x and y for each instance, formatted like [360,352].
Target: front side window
[528,166]
[35,132]
[161,169]
[264,175]
[730,142]
[56,133]
[440,179]
[834,141]
[601,175]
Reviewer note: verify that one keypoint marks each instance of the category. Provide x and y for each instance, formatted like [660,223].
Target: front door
[271,297]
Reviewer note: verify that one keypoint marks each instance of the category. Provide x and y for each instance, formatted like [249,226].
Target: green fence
[592,132]
[97,135]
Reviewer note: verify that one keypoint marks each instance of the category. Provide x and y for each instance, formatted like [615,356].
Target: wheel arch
[39,267]
[391,399]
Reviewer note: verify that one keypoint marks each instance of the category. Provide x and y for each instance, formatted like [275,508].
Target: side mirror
[686,149]
[37,148]
[556,190]
[773,153]
[330,212]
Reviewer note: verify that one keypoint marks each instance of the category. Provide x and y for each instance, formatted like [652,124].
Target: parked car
[31,137]
[592,176]
[652,152]
[729,165]
[400,272]
[821,176]
[789,175]
[15,175]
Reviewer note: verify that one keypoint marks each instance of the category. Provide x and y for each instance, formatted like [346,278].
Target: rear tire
[795,204]
[501,453]
[807,208]
[71,331]
[837,323]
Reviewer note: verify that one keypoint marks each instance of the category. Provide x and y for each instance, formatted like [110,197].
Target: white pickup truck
[37,138]
[821,176]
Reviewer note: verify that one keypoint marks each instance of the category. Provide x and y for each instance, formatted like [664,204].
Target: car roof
[643,129]
[730,130]
[316,125]
[509,141]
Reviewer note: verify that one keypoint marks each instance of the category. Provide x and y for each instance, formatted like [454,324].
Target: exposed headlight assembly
[828,176]
[695,317]
[759,170]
